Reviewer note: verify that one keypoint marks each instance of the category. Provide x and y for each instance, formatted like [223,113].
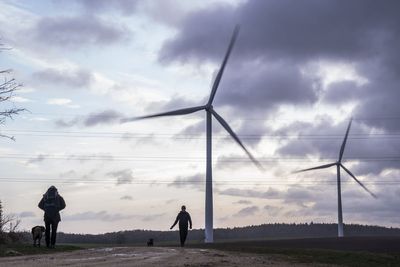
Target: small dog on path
[37,234]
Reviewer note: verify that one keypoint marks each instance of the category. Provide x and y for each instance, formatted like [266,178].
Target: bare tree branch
[7,90]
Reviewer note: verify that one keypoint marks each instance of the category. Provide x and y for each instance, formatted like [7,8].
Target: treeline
[264,231]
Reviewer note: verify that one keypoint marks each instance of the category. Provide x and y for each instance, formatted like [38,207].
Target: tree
[8,87]
[9,220]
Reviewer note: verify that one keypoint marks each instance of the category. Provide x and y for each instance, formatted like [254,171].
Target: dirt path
[143,256]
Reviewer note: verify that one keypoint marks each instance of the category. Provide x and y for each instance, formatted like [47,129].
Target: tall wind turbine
[209,235]
[339,165]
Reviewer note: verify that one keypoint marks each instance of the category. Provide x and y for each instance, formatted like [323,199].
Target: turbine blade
[358,181]
[183,111]
[316,168]
[236,138]
[344,141]
[221,70]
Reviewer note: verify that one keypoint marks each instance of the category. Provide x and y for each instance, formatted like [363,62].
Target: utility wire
[40,157]
[180,182]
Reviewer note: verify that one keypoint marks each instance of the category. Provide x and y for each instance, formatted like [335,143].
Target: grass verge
[341,258]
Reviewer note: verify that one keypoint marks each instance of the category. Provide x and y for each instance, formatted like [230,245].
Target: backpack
[51,202]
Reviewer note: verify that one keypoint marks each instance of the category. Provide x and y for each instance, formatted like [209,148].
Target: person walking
[184,221]
[51,203]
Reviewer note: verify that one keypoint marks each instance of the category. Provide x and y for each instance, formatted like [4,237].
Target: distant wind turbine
[338,166]
[209,235]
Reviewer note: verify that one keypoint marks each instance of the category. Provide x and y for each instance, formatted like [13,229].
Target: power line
[182,182]
[244,118]
[40,157]
[127,135]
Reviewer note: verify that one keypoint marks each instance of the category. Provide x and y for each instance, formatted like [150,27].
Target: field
[349,251]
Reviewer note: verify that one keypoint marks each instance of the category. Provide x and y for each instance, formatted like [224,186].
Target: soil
[149,256]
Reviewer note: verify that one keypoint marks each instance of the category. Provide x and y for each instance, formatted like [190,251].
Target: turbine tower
[339,165]
[209,234]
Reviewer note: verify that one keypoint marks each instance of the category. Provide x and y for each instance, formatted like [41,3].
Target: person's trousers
[51,224]
[183,231]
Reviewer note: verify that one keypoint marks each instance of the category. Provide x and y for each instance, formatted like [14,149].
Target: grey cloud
[298,196]
[37,159]
[122,6]
[342,92]
[195,181]
[70,173]
[376,153]
[298,35]
[153,217]
[243,202]
[26,214]
[169,201]
[238,161]
[97,216]
[272,210]
[62,123]
[93,119]
[248,211]
[176,102]
[126,197]
[74,32]
[255,87]
[103,117]
[356,208]
[362,33]
[271,193]
[72,78]
[123,176]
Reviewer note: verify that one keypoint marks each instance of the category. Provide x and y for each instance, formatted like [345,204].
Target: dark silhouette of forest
[264,231]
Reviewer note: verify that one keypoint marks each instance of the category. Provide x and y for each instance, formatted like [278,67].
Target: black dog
[37,234]
[150,243]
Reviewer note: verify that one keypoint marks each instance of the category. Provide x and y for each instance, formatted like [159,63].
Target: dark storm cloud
[73,79]
[260,88]
[285,29]
[123,176]
[365,34]
[248,211]
[76,32]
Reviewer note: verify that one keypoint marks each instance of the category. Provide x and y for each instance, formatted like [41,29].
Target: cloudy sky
[298,72]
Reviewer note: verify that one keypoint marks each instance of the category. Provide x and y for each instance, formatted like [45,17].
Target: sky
[297,74]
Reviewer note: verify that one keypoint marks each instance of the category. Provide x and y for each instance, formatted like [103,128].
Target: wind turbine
[339,165]
[209,235]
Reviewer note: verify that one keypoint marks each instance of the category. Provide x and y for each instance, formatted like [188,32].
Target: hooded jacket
[52,203]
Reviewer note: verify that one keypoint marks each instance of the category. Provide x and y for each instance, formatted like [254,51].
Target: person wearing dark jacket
[184,221]
[51,203]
